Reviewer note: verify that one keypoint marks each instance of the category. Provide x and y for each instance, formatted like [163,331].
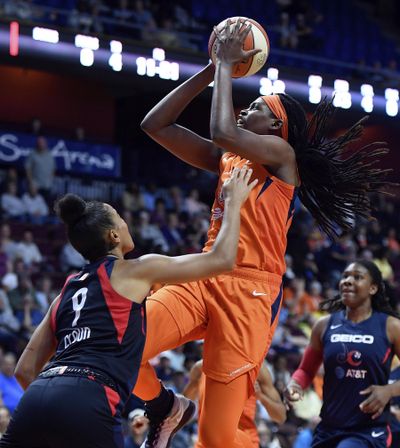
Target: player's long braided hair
[334,184]
[379,300]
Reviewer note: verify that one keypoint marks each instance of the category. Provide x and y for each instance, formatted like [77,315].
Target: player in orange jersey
[266,394]
[237,313]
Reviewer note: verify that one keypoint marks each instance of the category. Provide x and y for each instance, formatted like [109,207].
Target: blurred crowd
[35,259]
[297,26]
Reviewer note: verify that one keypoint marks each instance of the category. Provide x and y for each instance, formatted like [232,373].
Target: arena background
[84,73]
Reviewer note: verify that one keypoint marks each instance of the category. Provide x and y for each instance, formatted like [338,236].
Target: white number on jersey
[77,304]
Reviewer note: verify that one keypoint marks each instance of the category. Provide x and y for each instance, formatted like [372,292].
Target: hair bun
[70,208]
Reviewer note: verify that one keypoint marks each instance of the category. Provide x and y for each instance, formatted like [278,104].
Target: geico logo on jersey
[77,335]
[358,338]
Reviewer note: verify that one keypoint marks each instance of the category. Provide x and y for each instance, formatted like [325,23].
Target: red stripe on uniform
[119,306]
[385,358]
[113,399]
[57,303]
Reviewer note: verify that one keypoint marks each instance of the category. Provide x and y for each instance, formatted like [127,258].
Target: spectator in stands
[9,245]
[167,35]
[304,33]
[164,370]
[4,419]
[12,206]
[193,205]
[10,390]
[35,205]
[28,250]
[150,234]
[9,280]
[23,297]
[132,198]
[45,293]
[173,234]
[159,215]
[288,37]
[175,200]
[144,19]
[304,439]
[138,425]
[70,259]
[9,324]
[40,168]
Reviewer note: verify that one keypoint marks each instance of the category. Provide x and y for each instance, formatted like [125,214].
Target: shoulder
[321,324]
[393,328]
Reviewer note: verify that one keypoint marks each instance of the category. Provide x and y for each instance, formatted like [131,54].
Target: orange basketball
[257,38]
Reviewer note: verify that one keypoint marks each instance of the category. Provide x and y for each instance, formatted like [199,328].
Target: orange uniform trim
[276,107]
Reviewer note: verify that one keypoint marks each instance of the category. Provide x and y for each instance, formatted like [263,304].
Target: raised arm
[160,124]
[150,269]
[267,150]
[40,348]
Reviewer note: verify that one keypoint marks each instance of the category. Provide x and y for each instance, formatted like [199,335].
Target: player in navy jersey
[356,343]
[95,329]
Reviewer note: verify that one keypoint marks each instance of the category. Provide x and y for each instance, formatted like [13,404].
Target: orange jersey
[247,419]
[265,217]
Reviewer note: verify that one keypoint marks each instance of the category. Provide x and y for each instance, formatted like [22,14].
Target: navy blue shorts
[373,437]
[64,412]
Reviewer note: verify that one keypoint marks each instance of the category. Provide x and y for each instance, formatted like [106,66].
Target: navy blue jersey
[394,423]
[356,356]
[95,327]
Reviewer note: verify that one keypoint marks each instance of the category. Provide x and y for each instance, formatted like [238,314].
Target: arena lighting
[110,55]
[367,102]
[157,65]
[392,102]
[45,35]
[273,73]
[278,86]
[342,95]
[265,86]
[115,60]
[314,93]
[88,45]
[14,38]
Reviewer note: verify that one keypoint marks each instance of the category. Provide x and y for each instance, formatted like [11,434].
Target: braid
[334,184]
[379,301]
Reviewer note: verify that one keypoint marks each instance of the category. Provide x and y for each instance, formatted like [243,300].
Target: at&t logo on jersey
[352,358]
[356,338]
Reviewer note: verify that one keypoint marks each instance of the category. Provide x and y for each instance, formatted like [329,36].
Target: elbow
[146,125]
[24,377]
[220,136]
[226,264]
[281,418]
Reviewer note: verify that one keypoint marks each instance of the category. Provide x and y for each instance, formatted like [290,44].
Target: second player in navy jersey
[95,330]
[356,344]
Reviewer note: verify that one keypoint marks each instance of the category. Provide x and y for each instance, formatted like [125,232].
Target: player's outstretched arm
[221,258]
[39,350]
[160,124]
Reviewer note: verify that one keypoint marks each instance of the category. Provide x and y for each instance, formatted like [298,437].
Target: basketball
[257,38]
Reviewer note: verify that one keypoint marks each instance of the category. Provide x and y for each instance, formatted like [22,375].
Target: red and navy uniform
[82,391]
[356,356]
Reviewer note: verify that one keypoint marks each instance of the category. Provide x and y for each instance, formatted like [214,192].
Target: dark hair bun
[70,208]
